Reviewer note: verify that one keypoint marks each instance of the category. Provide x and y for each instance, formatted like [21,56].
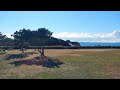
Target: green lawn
[78,64]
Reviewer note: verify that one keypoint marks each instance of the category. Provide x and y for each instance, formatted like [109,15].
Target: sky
[81,26]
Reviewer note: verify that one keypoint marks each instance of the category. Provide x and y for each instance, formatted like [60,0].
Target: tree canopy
[5,41]
[26,37]
[37,38]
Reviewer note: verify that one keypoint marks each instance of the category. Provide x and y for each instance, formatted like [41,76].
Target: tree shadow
[49,62]
[31,53]
[15,56]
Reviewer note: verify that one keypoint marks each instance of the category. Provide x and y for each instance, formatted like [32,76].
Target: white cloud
[100,37]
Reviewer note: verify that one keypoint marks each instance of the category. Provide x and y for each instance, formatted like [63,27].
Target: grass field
[78,64]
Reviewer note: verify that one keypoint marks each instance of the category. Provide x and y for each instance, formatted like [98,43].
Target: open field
[78,64]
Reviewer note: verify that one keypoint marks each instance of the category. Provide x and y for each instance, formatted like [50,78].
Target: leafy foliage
[39,37]
[5,41]
[25,38]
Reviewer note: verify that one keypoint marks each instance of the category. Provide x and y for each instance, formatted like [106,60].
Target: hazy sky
[73,25]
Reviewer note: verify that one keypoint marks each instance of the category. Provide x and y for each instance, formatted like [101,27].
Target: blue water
[98,43]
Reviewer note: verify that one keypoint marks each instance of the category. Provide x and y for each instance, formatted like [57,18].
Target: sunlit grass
[78,64]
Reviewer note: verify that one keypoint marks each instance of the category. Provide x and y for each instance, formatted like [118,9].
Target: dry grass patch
[78,64]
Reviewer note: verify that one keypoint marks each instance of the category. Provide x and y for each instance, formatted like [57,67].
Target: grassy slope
[78,64]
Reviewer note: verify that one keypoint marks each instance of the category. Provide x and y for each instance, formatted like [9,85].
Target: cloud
[99,37]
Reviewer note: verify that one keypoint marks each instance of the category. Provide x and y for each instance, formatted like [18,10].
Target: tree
[40,37]
[68,41]
[73,43]
[20,39]
[24,38]
[44,34]
[2,41]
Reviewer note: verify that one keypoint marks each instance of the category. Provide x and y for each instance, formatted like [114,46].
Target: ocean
[99,43]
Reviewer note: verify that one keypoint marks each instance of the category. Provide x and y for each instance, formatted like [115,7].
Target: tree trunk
[22,51]
[42,51]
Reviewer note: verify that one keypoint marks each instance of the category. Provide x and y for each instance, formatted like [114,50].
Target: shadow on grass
[15,56]
[31,53]
[47,62]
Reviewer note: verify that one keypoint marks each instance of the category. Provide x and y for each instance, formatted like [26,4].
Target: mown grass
[78,64]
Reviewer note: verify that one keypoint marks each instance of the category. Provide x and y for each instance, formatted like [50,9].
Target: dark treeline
[5,41]
[65,47]
[26,38]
